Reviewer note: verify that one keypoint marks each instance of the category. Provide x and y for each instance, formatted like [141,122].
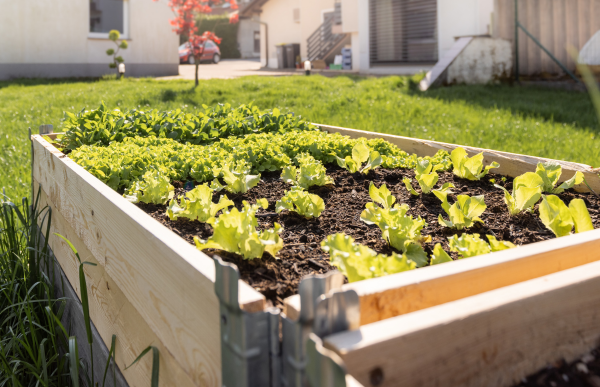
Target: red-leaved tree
[184,23]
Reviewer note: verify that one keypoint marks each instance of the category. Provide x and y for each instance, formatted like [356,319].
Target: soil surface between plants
[301,255]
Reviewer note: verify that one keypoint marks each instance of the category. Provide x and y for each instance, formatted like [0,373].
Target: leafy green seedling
[301,202]
[235,231]
[359,262]
[401,231]
[464,212]
[197,205]
[497,245]
[360,154]
[310,172]
[153,188]
[469,168]
[468,245]
[560,219]
[237,178]
[527,190]
[550,173]
[439,255]
[426,176]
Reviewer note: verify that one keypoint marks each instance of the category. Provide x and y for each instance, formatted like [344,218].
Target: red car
[211,53]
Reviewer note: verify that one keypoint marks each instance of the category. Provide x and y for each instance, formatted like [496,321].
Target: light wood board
[110,310]
[511,164]
[168,281]
[492,339]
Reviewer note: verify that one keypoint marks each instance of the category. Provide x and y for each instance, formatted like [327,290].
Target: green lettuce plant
[464,212]
[560,219]
[358,262]
[237,178]
[426,176]
[471,245]
[235,232]
[439,255]
[360,154]
[527,190]
[550,173]
[154,187]
[197,205]
[301,202]
[469,168]
[310,172]
[401,231]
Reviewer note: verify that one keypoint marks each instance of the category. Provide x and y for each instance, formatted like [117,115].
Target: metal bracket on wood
[46,129]
[323,310]
[249,341]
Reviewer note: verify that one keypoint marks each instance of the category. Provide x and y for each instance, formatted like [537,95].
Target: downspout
[266,42]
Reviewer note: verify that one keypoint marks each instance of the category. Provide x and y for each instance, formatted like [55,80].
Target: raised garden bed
[152,286]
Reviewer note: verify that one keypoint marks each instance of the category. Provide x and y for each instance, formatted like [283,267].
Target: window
[106,15]
[296,14]
[209,44]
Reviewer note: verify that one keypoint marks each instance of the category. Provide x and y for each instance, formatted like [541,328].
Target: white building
[69,38]
[386,36]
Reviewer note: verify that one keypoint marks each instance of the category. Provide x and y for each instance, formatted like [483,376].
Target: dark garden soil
[302,255]
[584,372]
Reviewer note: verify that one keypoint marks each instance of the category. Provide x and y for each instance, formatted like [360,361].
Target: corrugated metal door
[403,31]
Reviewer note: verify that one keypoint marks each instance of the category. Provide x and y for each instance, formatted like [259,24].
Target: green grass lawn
[542,122]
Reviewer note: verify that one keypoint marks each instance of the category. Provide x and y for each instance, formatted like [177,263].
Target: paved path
[235,68]
[226,69]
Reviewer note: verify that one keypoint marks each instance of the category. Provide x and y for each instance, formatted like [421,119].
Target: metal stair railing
[322,41]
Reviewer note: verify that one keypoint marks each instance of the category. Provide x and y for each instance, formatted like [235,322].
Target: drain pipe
[266,42]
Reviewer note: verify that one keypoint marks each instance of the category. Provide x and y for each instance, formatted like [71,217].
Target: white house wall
[50,38]
[462,18]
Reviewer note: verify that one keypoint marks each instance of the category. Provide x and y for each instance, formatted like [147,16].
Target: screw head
[376,376]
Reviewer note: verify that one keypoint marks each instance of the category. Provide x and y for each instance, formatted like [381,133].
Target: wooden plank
[110,310]
[532,23]
[560,38]
[168,281]
[402,293]
[492,339]
[72,318]
[511,164]
[546,9]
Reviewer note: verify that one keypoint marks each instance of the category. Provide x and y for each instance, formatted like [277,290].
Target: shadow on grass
[562,106]
[47,81]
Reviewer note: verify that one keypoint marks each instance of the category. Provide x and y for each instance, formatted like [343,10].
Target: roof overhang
[253,8]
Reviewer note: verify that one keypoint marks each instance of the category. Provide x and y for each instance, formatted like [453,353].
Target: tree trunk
[197,65]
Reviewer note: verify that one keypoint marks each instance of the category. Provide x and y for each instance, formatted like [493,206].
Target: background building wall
[50,38]
[278,14]
[462,18]
[245,38]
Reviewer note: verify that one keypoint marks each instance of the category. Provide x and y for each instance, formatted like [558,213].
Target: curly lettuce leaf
[301,202]
[469,245]
[439,255]
[237,177]
[381,195]
[560,219]
[550,173]
[197,205]
[469,168]
[153,188]
[235,232]
[360,153]
[359,262]
[464,212]
[527,190]
[310,172]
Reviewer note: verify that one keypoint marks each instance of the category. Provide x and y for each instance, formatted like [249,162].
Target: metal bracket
[324,310]
[249,341]
[325,367]
[46,129]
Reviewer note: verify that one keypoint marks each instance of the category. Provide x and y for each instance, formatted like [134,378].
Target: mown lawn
[541,122]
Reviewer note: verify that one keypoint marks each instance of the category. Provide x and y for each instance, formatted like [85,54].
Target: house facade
[381,33]
[69,38]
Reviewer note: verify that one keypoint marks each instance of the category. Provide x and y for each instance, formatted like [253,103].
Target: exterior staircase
[323,43]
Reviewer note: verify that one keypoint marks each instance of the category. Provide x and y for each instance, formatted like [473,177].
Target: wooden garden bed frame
[153,288]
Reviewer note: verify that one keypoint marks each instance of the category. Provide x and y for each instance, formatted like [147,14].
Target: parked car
[211,53]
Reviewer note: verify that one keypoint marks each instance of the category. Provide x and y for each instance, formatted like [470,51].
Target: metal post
[517,40]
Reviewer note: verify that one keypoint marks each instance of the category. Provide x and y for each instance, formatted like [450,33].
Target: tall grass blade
[155,363]
[111,353]
[74,360]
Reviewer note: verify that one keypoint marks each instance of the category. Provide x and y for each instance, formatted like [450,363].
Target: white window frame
[104,35]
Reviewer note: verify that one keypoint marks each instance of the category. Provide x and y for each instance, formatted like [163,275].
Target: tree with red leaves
[185,24]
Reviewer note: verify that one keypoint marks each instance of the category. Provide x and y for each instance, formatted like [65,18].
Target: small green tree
[114,35]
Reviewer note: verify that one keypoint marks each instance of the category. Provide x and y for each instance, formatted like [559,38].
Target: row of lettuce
[142,153]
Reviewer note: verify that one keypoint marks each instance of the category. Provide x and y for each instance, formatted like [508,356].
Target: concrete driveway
[226,69]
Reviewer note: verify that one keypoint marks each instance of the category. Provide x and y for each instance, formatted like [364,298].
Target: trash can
[281,57]
[292,51]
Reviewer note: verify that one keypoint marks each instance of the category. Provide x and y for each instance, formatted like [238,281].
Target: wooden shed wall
[557,24]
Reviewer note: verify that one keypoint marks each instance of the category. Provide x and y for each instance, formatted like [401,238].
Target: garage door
[403,31]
